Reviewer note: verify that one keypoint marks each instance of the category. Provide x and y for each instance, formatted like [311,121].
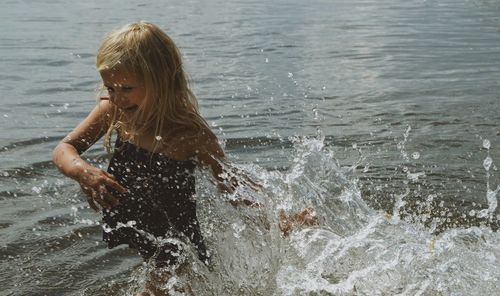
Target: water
[382,115]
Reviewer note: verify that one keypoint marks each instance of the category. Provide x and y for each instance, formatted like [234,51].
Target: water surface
[383,115]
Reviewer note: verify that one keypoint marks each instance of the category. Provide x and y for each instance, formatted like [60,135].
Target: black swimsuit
[159,204]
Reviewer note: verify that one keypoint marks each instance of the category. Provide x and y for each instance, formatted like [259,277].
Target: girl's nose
[117,98]
[116,95]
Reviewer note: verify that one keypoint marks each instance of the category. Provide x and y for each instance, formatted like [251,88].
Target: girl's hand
[231,178]
[245,202]
[94,183]
[239,201]
[287,221]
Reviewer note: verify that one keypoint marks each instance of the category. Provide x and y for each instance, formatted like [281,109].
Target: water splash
[355,250]
[491,195]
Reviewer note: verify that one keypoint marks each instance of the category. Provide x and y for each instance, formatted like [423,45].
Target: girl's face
[125,89]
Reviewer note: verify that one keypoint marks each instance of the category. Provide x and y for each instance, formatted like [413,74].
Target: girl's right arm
[66,156]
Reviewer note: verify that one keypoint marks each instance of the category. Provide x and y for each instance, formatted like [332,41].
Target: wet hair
[149,53]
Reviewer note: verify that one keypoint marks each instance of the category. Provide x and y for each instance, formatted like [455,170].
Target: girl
[147,193]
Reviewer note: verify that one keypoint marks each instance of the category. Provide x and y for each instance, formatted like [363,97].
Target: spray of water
[491,195]
[354,251]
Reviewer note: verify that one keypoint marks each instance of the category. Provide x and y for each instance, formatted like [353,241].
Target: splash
[491,195]
[355,251]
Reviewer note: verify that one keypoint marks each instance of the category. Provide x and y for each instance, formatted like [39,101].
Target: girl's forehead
[118,75]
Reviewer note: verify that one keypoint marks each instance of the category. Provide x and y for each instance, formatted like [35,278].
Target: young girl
[148,189]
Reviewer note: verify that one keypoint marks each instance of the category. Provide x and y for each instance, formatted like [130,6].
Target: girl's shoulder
[191,142]
[196,137]
[106,109]
[104,102]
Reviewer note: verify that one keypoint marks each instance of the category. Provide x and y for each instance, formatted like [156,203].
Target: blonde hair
[145,50]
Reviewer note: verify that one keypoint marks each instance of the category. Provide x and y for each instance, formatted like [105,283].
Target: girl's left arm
[210,154]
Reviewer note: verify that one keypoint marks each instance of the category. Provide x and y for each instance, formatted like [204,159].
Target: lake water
[382,115]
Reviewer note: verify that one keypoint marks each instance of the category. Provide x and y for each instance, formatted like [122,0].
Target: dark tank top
[159,204]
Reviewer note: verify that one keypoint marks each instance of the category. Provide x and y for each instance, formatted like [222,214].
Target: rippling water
[382,115]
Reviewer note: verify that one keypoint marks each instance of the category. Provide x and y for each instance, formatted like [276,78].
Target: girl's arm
[210,154]
[66,156]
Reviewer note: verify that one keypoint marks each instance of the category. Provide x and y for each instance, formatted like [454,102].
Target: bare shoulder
[101,113]
[104,108]
[207,142]
[92,127]
[201,144]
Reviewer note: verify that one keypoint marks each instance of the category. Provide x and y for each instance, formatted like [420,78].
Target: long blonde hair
[145,50]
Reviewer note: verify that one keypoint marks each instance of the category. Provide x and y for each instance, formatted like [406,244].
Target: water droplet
[158,138]
[486,144]
[487,163]
[267,60]
[415,155]
[238,228]
[290,74]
